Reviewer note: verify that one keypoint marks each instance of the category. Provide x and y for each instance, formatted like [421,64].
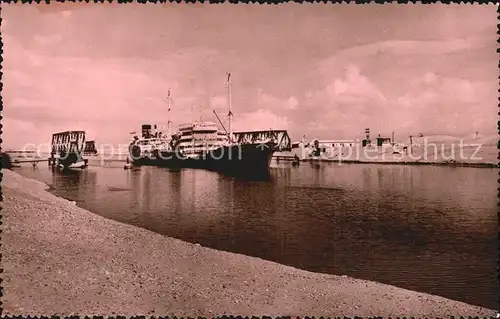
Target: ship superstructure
[145,148]
[198,137]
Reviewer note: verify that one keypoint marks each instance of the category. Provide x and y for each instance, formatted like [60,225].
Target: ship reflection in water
[425,228]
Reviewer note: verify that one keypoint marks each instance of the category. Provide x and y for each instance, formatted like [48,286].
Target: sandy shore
[61,259]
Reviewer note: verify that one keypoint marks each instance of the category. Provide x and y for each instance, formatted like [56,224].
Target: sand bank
[61,259]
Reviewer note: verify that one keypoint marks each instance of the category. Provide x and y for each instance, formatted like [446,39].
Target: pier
[67,149]
[288,158]
[283,158]
[33,162]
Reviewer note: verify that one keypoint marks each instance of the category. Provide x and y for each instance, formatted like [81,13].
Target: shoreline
[61,259]
[428,163]
[470,156]
[485,156]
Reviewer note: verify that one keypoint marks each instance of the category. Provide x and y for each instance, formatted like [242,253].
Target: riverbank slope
[61,259]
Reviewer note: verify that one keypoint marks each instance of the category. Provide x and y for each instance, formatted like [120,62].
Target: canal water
[426,228]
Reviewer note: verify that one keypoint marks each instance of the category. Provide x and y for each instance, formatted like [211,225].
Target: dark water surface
[426,228]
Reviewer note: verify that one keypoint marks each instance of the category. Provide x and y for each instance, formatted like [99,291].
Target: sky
[323,71]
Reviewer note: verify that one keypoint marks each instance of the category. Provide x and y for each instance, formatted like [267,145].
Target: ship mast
[230,113]
[169,123]
[192,114]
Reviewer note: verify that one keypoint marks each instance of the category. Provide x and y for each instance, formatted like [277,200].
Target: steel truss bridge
[278,138]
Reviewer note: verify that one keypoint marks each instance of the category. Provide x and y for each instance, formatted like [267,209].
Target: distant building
[90,148]
[326,148]
[367,141]
[383,141]
[330,143]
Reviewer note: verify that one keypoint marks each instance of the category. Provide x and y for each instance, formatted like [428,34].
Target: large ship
[248,152]
[201,144]
[144,149]
[186,147]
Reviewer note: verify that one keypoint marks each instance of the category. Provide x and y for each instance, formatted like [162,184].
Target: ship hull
[164,159]
[247,159]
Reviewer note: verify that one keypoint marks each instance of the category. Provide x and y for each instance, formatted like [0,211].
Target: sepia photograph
[230,159]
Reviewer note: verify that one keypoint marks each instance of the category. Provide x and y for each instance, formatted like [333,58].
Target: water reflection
[426,228]
[67,183]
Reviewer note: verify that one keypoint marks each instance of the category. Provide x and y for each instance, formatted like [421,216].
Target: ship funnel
[146,130]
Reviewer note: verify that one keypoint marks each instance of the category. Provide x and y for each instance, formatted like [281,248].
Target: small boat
[128,165]
[80,164]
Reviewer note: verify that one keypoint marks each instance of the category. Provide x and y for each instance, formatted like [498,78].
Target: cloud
[66,13]
[410,85]
[106,97]
[450,104]
[333,68]
[292,103]
[431,89]
[265,100]
[12,126]
[430,78]
[62,93]
[48,39]
[354,87]
[261,119]
[317,126]
[219,101]
[403,48]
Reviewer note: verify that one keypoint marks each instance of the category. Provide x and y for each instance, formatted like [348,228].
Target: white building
[325,149]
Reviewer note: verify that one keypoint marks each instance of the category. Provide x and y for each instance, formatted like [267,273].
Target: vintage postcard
[200,159]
